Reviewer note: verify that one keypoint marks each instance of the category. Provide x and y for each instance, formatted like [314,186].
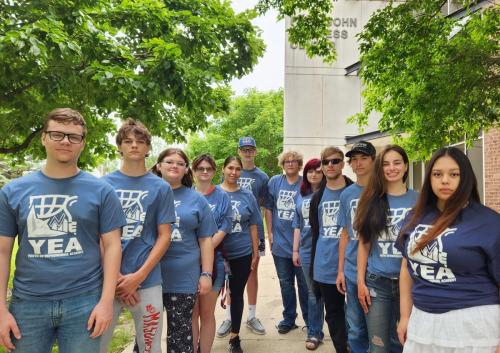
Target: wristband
[206,274]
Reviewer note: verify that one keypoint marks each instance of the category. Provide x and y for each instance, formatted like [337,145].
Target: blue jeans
[315,312]
[383,314]
[357,332]
[42,322]
[287,272]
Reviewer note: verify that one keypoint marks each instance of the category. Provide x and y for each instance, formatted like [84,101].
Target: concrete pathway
[269,310]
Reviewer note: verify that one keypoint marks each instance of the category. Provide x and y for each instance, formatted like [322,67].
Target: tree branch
[21,146]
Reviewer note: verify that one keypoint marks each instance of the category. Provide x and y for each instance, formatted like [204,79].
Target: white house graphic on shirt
[329,218]
[286,204]
[246,183]
[236,216]
[134,211]
[353,206]
[49,216]
[176,234]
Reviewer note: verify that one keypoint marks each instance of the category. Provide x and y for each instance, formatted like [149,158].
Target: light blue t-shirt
[59,223]
[281,199]
[180,266]
[348,205]
[147,202]
[301,221]
[256,181]
[326,261]
[384,259]
[245,212]
[221,208]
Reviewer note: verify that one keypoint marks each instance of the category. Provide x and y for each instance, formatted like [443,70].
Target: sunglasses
[332,161]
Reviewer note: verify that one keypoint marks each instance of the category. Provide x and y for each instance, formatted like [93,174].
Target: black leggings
[240,270]
[335,316]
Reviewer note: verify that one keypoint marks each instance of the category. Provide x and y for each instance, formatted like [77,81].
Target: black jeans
[240,270]
[335,315]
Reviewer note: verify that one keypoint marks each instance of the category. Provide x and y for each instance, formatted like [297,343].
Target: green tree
[166,63]
[256,114]
[311,24]
[434,79]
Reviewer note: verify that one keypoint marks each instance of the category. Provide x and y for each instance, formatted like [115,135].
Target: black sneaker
[284,329]
[234,345]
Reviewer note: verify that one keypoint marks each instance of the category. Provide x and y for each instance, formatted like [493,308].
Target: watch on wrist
[206,274]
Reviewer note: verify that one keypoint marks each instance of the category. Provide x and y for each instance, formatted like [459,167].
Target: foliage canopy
[433,78]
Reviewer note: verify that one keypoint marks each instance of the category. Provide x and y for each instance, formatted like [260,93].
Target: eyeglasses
[204,170]
[332,161]
[171,163]
[247,150]
[59,136]
[291,162]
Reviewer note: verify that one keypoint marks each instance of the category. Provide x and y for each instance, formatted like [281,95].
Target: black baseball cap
[363,147]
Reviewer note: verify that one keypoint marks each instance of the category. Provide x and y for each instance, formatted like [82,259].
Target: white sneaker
[224,329]
[256,326]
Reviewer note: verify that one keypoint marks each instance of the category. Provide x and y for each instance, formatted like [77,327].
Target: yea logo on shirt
[329,219]
[430,263]
[286,204]
[51,229]
[306,206]
[134,211]
[246,183]
[388,237]
[176,234]
[236,216]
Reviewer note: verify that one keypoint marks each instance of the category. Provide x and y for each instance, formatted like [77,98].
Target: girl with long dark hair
[204,171]
[242,245]
[302,243]
[382,208]
[191,245]
[450,273]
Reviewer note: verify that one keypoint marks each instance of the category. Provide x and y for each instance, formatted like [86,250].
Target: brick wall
[492,168]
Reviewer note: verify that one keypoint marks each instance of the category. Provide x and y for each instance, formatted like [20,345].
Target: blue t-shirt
[256,181]
[348,205]
[180,266]
[461,267]
[326,261]
[245,212]
[281,199]
[59,223]
[147,202]
[301,221]
[221,208]
[384,259]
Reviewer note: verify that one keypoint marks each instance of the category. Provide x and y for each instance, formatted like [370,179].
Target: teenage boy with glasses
[283,191]
[253,179]
[361,158]
[63,287]
[148,204]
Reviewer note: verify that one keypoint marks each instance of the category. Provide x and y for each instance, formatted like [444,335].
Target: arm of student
[254,233]
[129,283]
[207,260]
[405,301]
[7,322]
[344,239]
[268,215]
[363,293]
[218,238]
[296,241]
[101,316]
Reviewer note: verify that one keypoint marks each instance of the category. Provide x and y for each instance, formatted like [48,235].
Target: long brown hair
[427,201]
[373,207]
[187,179]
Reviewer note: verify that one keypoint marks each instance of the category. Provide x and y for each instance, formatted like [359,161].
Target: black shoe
[234,345]
[284,329]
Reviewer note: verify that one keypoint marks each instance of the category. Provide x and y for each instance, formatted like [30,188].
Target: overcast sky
[269,72]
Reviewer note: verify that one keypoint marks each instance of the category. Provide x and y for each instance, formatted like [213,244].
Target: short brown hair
[131,126]
[328,151]
[65,116]
[290,154]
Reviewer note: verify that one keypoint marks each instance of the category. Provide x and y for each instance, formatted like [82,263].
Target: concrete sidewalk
[269,310]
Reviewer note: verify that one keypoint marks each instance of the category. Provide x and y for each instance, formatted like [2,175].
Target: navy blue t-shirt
[281,199]
[461,267]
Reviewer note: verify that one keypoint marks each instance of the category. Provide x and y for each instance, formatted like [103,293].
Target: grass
[124,330]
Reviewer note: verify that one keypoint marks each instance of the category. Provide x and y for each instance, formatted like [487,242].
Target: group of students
[388,269]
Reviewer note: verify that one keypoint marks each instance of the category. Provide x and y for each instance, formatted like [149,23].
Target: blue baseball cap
[246,141]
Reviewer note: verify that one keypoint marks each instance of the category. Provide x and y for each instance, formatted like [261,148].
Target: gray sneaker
[256,326]
[224,328]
